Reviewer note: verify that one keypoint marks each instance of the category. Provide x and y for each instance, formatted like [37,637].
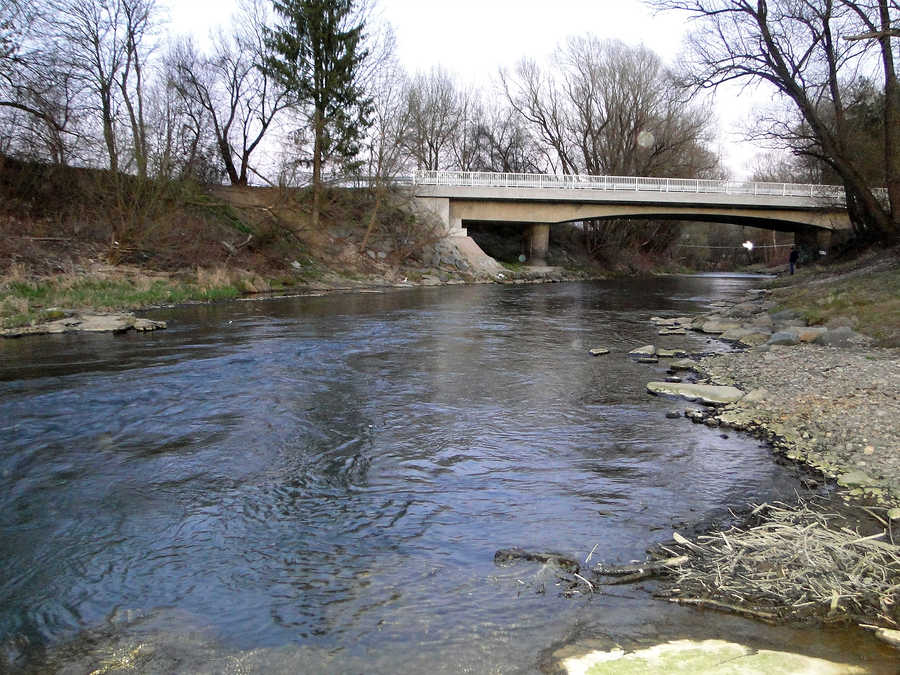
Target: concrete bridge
[539,200]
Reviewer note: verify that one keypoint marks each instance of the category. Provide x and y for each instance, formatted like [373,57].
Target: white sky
[473,39]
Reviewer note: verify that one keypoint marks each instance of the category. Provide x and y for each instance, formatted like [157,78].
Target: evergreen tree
[318,57]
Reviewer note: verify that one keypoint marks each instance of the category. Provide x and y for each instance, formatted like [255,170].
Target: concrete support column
[539,244]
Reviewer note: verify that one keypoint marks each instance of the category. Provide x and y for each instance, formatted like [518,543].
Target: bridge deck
[624,189]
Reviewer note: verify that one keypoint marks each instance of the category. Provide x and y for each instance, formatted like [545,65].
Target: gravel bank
[836,409]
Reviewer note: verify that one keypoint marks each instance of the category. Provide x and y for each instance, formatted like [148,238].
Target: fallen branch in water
[705,603]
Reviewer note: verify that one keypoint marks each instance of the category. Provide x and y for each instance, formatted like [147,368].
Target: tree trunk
[318,126]
[891,122]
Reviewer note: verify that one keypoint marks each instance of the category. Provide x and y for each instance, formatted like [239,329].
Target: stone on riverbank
[785,337]
[707,394]
[87,322]
[841,336]
[646,350]
[706,656]
[671,353]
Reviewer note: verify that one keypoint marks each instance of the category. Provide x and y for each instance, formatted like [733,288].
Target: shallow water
[320,483]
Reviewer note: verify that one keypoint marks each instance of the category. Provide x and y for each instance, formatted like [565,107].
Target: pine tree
[318,57]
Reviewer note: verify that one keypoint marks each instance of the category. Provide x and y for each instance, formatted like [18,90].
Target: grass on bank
[25,301]
[868,299]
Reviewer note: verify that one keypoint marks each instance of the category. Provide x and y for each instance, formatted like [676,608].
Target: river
[319,484]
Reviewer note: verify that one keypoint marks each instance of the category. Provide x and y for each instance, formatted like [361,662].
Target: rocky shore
[821,395]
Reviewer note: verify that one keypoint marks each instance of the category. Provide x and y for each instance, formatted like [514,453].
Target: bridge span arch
[539,200]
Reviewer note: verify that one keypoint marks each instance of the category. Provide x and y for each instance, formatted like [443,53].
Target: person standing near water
[792,259]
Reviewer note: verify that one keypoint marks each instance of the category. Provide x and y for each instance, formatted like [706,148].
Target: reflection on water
[323,481]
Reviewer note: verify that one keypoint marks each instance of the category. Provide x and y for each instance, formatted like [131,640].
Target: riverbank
[826,397]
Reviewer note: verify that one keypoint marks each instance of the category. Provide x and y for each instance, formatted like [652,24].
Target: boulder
[718,327]
[707,394]
[671,353]
[810,333]
[646,350]
[842,336]
[754,339]
[784,337]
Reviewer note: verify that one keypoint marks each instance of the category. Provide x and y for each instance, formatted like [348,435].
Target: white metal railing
[825,193]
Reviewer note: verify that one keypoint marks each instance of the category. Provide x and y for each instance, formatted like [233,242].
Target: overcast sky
[475,38]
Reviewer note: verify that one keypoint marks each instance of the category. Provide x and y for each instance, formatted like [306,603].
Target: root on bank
[787,563]
[794,562]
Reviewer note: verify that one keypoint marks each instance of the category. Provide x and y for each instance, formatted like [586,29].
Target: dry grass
[25,300]
[866,294]
[796,562]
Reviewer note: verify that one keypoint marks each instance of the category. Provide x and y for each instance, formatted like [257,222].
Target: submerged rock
[706,656]
[671,353]
[705,393]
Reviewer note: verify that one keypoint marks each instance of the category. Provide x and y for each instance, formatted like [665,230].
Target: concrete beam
[462,210]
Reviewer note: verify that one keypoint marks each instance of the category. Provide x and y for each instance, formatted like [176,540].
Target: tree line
[297,89]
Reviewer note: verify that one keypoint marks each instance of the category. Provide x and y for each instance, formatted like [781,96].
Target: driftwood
[508,555]
[628,574]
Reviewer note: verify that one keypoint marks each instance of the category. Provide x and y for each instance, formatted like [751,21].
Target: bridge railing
[825,193]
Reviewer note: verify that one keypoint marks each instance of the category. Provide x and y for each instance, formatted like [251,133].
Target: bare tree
[807,51]
[237,94]
[434,119]
[536,96]
[90,37]
[387,87]
[610,109]
[504,143]
[136,18]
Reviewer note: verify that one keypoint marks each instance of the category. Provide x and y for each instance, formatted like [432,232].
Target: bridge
[539,200]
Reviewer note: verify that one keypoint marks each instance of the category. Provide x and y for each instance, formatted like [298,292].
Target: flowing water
[319,484]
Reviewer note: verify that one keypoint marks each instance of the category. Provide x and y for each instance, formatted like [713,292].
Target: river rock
[671,353]
[707,394]
[646,350]
[705,656]
[672,331]
[784,337]
[744,309]
[754,339]
[842,336]
[810,333]
[599,351]
[683,364]
[785,315]
[718,327]
[88,322]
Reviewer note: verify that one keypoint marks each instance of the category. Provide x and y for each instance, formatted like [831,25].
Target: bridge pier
[538,244]
[807,243]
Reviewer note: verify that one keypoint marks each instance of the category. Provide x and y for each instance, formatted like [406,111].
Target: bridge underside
[458,212]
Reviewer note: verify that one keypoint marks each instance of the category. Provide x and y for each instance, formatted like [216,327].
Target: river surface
[319,484]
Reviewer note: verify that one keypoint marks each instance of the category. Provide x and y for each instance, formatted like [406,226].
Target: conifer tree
[318,57]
